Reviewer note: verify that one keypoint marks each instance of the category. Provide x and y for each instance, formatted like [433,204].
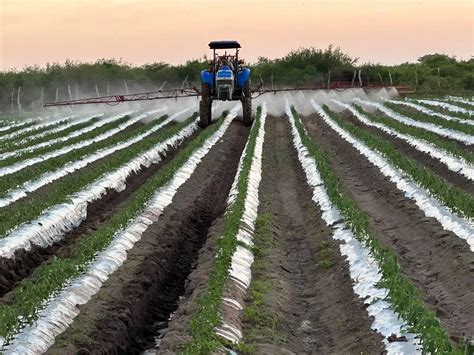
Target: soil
[135,303]
[24,262]
[438,262]
[311,291]
[422,158]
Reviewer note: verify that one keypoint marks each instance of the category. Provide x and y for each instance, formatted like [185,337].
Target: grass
[405,298]
[459,201]
[61,190]
[58,145]
[423,117]
[204,339]
[420,133]
[48,279]
[34,171]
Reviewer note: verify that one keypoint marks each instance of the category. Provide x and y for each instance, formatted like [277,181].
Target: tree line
[29,87]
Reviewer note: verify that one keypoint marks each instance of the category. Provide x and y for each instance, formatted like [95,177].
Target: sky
[35,32]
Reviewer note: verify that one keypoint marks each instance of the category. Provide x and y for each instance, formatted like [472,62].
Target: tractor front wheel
[247,111]
[205,106]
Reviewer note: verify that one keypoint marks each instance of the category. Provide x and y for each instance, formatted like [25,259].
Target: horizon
[34,33]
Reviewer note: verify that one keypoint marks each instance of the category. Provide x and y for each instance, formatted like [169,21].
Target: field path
[439,263]
[317,309]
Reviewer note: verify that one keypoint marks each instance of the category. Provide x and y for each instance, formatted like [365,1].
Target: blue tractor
[227,79]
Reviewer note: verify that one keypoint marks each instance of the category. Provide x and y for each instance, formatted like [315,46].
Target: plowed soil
[438,262]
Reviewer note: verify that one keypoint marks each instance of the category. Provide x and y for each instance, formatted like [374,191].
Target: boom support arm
[116,99]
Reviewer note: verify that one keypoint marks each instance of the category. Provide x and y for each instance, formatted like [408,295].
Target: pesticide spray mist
[275,103]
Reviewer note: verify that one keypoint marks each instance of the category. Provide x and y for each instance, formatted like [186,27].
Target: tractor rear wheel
[246,89]
[247,111]
[205,106]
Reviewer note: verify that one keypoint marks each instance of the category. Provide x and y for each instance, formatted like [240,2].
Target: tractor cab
[227,79]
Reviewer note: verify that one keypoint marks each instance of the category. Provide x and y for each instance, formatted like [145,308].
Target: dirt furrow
[438,262]
[13,270]
[311,291]
[134,305]
[422,158]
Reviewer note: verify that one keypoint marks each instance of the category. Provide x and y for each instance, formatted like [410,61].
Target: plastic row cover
[454,163]
[61,310]
[51,226]
[32,185]
[446,106]
[364,269]
[240,270]
[429,205]
[430,112]
[445,132]
[24,163]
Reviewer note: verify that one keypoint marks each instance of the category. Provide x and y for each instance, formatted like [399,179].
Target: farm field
[339,222]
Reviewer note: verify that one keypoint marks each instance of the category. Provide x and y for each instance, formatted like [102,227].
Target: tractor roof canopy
[223,44]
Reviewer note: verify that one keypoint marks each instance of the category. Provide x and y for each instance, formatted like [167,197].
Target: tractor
[227,79]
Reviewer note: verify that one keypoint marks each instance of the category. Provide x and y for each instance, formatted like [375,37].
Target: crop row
[430,112]
[75,136]
[105,248]
[46,220]
[234,257]
[409,176]
[49,133]
[61,148]
[454,163]
[386,283]
[29,180]
[445,132]
[452,124]
[419,133]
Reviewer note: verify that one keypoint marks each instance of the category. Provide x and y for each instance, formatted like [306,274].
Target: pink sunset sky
[145,31]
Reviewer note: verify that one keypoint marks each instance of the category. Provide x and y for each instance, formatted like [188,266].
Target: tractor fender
[207,78]
[242,77]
